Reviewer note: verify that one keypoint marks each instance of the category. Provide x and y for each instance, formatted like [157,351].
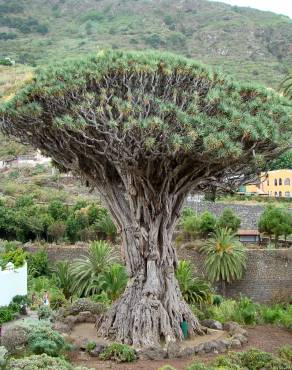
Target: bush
[81,305]
[228,220]
[207,223]
[252,359]
[44,313]
[3,357]
[38,263]
[118,352]
[56,231]
[285,353]
[194,289]
[6,314]
[16,256]
[90,346]
[45,340]
[42,362]
[57,300]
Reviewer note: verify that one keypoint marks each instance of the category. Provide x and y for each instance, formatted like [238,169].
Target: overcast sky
[276,6]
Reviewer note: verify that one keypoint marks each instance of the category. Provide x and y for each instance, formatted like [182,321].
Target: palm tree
[63,278]
[87,270]
[114,280]
[194,289]
[225,257]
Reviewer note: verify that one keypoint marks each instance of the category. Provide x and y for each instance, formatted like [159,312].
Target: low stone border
[237,336]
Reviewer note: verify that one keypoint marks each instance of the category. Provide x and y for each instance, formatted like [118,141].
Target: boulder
[212,324]
[240,337]
[173,350]
[235,343]
[62,327]
[98,349]
[187,352]
[85,317]
[231,326]
[211,346]
[152,353]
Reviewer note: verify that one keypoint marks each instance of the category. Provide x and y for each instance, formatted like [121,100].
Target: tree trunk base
[140,319]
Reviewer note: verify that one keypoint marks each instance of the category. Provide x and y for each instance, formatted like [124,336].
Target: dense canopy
[134,107]
[145,129]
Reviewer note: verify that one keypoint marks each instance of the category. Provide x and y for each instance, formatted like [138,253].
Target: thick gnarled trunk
[152,308]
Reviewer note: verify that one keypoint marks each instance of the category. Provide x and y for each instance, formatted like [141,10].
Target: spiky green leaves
[151,104]
[225,256]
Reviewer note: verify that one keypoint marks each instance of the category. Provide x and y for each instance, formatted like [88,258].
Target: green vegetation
[253,359]
[7,313]
[119,353]
[204,224]
[225,257]
[275,222]
[24,219]
[194,289]
[62,29]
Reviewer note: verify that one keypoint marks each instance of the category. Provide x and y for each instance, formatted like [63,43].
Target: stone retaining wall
[249,214]
[268,273]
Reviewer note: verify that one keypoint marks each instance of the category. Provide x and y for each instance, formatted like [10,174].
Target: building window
[276,194]
[287,181]
[287,194]
[280,193]
[280,181]
[275,182]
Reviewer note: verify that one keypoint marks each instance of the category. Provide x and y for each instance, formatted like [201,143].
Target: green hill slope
[250,44]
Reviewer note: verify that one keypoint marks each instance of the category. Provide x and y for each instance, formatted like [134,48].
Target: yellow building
[276,183]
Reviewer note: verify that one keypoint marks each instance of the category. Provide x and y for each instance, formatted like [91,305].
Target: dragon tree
[144,129]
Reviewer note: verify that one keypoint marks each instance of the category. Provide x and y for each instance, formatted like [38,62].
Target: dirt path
[267,338]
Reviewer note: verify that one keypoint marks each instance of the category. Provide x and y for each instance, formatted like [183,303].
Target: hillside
[250,44]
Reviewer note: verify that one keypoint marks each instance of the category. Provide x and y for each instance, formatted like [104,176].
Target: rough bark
[152,307]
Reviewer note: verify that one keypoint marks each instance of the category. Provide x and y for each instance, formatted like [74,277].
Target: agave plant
[114,280]
[88,269]
[194,289]
[225,257]
[63,278]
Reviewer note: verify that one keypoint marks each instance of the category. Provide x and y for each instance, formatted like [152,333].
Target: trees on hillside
[145,129]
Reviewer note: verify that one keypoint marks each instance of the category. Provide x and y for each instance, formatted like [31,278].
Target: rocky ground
[266,338]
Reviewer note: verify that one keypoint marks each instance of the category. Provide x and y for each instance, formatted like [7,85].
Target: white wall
[12,282]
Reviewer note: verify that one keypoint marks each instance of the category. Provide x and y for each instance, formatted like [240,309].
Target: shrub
[3,357]
[57,230]
[44,313]
[81,305]
[57,300]
[118,352]
[228,220]
[16,256]
[6,314]
[90,346]
[285,353]
[191,224]
[43,362]
[113,280]
[38,263]
[45,340]
[207,223]
[194,289]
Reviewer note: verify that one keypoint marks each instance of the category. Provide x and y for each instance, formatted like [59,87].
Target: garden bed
[265,337]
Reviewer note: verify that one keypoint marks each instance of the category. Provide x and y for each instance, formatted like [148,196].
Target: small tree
[228,220]
[275,221]
[145,129]
[207,223]
[225,257]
